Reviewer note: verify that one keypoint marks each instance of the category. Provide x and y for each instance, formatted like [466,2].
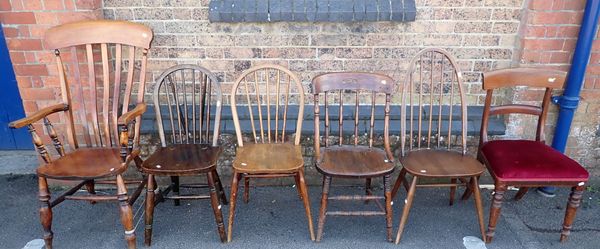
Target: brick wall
[548,40]
[24,23]
[483,35]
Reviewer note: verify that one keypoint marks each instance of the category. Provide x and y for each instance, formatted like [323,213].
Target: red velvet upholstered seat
[524,160]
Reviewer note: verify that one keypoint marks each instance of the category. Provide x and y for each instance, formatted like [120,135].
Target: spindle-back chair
[432,146]
[267,93]
[102,70]
[187,102]
[527,163]
[353,159]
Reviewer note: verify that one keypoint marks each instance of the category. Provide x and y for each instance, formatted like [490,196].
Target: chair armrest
[38,115]
[127,117]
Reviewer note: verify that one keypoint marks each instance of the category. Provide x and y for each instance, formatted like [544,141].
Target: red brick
[543,44]
[31,70]
[38,31]
[88,4]
[10,32]
[32,5]
[54,5]
[30,58]
[5,5]
[46,18]
[546,18]
[560,57]
[536,31]
[568,5]
[76,16]
[540,4]
[17,57]
[23,82]
[568,31]
[17,4]
[38,94]
[17,18]
[25,44]
[23,31]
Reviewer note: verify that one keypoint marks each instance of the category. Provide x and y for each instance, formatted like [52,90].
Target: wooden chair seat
[268,158]
[182,159]
[354,161]
[530,161]
[84,164]
[441,163]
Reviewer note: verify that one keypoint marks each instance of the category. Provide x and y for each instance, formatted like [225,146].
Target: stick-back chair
[527,163]
[353,158]
[264,95]
[187,102]
[434,130]
[101,69]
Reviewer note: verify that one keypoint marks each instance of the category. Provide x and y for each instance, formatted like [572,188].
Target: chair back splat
[187,101]
[339,88]
[434,90]
[100,71]
[266,92]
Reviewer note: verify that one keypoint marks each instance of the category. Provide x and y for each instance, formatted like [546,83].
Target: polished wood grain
[102,141]
[266,91]
[187,101]
[429,150]
[524,77]
[350,159]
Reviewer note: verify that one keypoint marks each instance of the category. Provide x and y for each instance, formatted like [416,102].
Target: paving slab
[275,218]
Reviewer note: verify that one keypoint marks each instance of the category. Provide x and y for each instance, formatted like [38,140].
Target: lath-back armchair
[102,70]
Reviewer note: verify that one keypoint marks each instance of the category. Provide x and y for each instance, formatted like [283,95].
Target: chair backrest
[337,88]
[184,97]
[431,98]
[513,77]
[266,93]
[98,62]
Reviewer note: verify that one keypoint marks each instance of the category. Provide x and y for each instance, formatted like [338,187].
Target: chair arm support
[127,117]
[38,115]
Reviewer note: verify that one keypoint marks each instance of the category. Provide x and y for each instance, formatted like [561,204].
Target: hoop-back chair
[527,163]
[187,102]
[263,94]
[97,68]
[353,159]
[434,130]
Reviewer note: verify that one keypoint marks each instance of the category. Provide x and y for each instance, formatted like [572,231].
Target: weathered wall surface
[483,35]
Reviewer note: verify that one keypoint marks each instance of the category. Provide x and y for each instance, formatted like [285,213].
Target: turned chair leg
[149,216]
[495,211]
[573,204]
[246,189]
[452,191]
[232,201]
[126,212]
[400,181]
[406,209]
[90,187]
[45,211]
[220,190]
[478,206]
[388,206]
[214,202]
[323,210]
[175,184]
[522,191]
[304,193]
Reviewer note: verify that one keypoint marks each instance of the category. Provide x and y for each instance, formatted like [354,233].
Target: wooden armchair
[265,92]
[187,102]
[352,159]
[434,131]
[527,163]
[96,110]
